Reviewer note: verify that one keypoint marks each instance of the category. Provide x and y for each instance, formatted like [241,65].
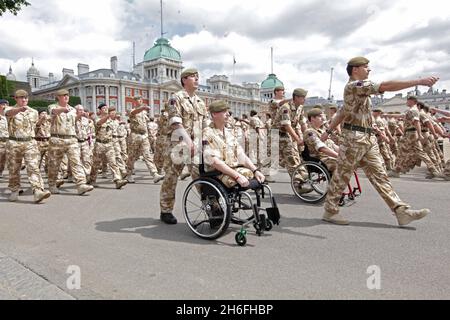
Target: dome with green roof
[271,82]
[162,49]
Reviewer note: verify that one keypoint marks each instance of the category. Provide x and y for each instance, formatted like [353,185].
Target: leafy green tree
[12,6]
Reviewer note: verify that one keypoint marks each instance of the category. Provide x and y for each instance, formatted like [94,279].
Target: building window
[155,95]
[100,90]
[166,96]
[145,94]
[128,92]
[112,102]
[129,105]
[113,91]
[176,74]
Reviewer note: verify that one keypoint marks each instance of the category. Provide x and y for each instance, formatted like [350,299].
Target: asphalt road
[123,251]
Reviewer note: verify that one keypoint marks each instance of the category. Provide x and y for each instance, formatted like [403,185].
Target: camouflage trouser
[331,164]
[257,151]
[3,154]
[386,154]
[124,149]
[43,154]
[289,156]
[152,142]
[56,151]
[360,150]
[86,157]
[158,157]
[30,153]
[428,148]
[402,153]
[104,151]
[140,145]
[119,157]
[414,151]
[169,185]
[394,150]
[436,151]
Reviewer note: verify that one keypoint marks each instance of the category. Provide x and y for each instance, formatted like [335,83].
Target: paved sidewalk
[19,283]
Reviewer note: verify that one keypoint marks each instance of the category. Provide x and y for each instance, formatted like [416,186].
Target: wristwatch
[329,131]
[255,170]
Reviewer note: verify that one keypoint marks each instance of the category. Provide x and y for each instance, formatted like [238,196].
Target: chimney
[444,91]
[114,64]
[51,77]
[83,68]
[67,71]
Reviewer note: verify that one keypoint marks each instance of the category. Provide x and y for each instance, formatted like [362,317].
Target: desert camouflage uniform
[311,137]
[161,141]
[104,149]
[152,127]
[383,146]
[139,143]
[191,113]
[21,145]
[257,141]
[123,134]
[223,145]
[413,149]
[43,140]
[117,149]
[82,131]
[359,149]
[64,141]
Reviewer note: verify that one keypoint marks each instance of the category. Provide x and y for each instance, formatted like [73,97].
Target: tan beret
[62,92]
[358,61]
[318,106]
[218,106]
[21,94]
[314,112]
[137,98]
[412,97]
[189,72]
[111,109]
[332,106]
[377,110]
[300,92]
[278,88]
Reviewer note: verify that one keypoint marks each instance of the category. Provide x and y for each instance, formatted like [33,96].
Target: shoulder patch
[172,101]
[286,111]
[310,134]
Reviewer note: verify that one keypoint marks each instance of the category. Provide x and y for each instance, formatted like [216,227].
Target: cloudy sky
[403,39]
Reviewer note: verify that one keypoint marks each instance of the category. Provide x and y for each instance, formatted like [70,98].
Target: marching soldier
[152,127]
[21,145]
[104,147]
[139,140]
[82,132]
[64,141]
[43,138]
[383,139]
[187,114]
[413,141]
[289,115]
[116,141]
[359,147]
[161,142]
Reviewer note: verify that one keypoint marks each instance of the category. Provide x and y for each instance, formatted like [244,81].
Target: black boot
[168,218]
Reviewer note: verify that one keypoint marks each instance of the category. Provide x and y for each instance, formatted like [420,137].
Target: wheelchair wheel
[240,239]
[315,182]
[206,209]
[242,210]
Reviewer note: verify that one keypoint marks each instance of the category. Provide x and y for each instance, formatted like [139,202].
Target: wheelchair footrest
[274,215]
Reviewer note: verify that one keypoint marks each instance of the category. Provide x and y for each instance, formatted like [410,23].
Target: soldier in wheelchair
[220,195]
[320,160]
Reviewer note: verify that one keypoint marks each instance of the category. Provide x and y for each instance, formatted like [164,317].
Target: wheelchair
[317,181]
[209,207]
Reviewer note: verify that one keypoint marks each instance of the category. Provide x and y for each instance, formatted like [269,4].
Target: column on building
[94,98]
[121,93]
[107,94]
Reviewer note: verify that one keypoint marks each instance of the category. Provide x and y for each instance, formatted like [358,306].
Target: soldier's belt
[82,140]
[357,128]
[3,139]
[63,136]
[103,141]
[41,139]
[425,130]
[21,139]
[119,137]
[138,132]
[410,129]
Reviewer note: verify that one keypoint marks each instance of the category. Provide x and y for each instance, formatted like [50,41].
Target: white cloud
[208,33]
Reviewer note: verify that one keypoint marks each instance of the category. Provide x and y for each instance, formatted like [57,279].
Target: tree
[12,6]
